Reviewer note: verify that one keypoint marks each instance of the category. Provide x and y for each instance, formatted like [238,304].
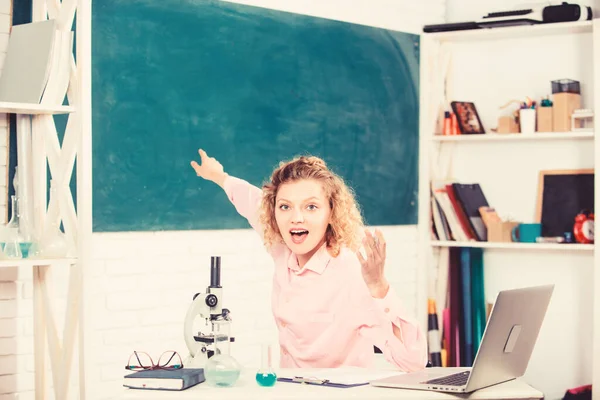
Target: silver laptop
[504,352]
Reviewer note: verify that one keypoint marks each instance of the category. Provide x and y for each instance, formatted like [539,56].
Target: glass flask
[12,250]
[222,369]
[266,376]
[14,233]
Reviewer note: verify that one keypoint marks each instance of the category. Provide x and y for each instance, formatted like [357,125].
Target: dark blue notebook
[471,197]
[160,379]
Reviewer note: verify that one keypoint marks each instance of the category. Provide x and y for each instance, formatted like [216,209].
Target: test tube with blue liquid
[266,375]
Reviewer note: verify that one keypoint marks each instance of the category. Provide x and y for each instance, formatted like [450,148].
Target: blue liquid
[222,378]
[25,248]
[266,379]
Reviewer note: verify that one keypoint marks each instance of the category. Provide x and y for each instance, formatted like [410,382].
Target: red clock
[584,227]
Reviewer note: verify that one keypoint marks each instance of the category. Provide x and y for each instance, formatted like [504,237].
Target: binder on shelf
[456,230]
[467,321]
[471,197]
[461,213]
[439,220]
[28,62]
[478,304]
[455,327]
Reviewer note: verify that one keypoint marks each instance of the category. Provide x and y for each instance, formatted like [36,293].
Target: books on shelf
[455,211]
[461,217]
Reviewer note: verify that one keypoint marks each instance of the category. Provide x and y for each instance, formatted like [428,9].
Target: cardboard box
[507,124]
[501,231]
[563,106]
[544,119]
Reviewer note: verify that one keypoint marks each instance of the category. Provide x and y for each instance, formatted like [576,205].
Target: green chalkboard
[252,87]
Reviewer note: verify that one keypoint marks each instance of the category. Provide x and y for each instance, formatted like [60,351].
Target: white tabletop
[247,388]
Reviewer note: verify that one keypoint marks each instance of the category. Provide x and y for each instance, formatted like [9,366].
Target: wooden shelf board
[30,262]
[514,136]
[513,32]
[25,108]
[515,246]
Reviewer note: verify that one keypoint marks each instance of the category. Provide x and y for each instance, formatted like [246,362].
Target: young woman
[331,304]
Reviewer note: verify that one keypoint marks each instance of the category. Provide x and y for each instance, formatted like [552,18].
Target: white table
[246,388]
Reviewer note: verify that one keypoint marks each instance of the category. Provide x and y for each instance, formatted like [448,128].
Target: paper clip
[314,381]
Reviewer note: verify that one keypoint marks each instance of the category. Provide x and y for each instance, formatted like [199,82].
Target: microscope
[209,307]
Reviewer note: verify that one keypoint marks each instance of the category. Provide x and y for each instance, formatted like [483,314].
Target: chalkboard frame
[348,93]
[539,217]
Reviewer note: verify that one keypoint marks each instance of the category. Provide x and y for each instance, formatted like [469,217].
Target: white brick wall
[5,25]
[143,282]
[12,369]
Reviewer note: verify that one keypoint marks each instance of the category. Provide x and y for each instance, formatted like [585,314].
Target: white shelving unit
[34,109]
[435,94]
[492,137]
[515,32]
[515,246]
[35,123]
[29,262]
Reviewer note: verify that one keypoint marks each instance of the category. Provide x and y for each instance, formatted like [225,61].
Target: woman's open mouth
[298,235]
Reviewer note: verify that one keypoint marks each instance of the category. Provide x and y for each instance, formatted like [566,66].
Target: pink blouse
[324,312]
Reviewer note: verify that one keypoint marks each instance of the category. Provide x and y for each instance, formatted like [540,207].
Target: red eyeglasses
[140,360]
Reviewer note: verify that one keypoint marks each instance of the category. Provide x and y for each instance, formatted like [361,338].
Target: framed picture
[468,119]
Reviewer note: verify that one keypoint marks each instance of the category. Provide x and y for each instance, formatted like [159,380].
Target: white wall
[144,282]
[490,74]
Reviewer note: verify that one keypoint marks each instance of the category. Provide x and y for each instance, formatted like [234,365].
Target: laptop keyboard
[458,379]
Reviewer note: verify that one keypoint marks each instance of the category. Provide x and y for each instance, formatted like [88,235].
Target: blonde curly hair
[346,218]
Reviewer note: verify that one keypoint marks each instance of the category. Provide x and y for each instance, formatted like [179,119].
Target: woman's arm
[394,332]
[390,328]
[245,197]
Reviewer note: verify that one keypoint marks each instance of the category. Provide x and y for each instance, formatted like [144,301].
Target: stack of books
[455,211]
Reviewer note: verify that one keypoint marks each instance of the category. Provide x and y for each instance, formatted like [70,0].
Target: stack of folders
[455,211]
[461,305]
[160,379]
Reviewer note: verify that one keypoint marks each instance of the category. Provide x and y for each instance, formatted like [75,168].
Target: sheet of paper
[342,375]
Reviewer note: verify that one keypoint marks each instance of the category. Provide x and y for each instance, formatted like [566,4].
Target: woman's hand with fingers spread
[373,265]
[209,169]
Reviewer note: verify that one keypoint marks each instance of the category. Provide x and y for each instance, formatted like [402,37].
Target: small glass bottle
[265,375]
[15,231]
[221,369]
[12,249]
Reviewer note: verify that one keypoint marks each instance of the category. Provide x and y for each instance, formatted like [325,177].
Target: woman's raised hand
[209,168]
[373,265]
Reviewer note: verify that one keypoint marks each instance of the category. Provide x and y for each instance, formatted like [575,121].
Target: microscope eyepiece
[215,272]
